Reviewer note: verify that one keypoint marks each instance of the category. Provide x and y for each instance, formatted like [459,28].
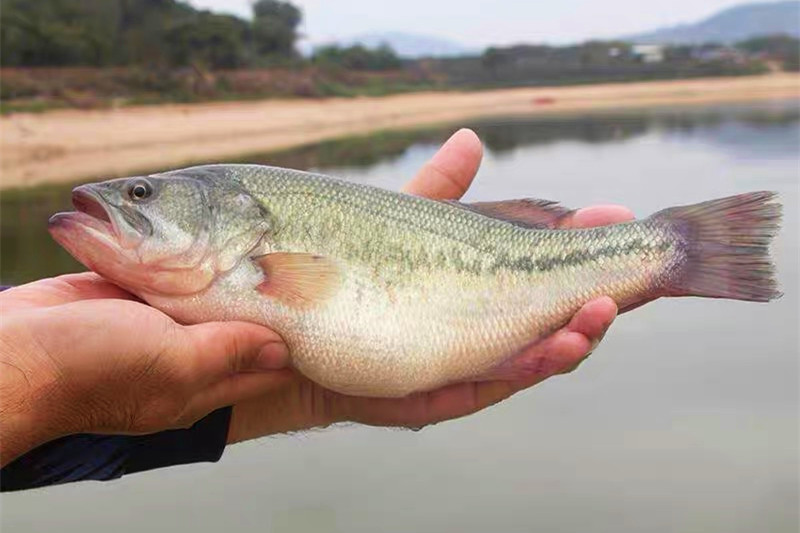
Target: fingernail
[596,342]
[574,367]
[272,356]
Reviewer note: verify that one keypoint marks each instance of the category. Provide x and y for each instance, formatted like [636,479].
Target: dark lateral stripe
[576,257]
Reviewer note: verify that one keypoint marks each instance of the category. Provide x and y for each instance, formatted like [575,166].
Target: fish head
[166,234]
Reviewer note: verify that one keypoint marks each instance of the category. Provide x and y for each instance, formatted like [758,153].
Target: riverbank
[62,146]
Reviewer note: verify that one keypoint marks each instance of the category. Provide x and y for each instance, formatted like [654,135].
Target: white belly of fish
[391,341]
[371,340]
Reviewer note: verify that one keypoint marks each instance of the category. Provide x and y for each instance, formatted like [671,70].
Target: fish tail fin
[727,247]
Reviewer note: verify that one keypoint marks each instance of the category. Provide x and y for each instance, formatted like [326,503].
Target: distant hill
[731,25]
[410,45]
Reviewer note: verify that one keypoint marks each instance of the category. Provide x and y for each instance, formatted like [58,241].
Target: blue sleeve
[104,457]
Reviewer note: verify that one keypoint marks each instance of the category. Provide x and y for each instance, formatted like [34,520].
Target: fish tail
[726,246]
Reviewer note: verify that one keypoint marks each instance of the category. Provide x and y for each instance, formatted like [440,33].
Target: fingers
[450,172]
[233,362]
[567,347]
[238,388]
[599,215]
[464,399]
[558,353]
[65,289]
[594,318]
[416,411]
[222,349]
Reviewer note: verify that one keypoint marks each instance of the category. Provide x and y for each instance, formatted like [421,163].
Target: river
[685,419]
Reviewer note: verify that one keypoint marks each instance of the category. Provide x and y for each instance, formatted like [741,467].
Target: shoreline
[67,145]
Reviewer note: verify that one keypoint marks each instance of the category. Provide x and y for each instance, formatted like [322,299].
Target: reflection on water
[684,419]
[28,252]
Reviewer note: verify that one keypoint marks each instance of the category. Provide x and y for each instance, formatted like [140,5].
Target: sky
[483,22]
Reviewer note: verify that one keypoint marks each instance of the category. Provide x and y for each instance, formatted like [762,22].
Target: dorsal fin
[525,212]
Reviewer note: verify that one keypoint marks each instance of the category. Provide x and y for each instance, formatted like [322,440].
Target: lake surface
[685,419]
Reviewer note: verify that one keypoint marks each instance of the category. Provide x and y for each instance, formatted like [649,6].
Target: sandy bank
[70,145]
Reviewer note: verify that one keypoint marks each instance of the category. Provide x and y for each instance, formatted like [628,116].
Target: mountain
[410,45]
[730,25]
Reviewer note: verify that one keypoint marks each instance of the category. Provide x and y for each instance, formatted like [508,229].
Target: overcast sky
[482,22]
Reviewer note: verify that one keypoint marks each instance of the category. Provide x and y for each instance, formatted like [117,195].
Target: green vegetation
[590,62]
[275,28]
[155,33]
[781,48]
[39,89]
[95,53]
[357,57]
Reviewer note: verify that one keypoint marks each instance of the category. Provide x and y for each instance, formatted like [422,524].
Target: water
[686,419]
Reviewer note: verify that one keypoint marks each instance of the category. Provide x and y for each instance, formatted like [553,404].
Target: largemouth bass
[379,293]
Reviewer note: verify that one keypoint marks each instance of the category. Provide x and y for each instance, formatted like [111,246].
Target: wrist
[24,416]
[29,399]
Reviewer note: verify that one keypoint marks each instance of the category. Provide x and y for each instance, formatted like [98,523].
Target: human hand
[81,355]
[300,404]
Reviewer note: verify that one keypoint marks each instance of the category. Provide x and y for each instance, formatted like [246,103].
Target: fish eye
[140,190]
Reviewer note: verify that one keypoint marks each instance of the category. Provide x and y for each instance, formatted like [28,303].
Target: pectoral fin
[298,279]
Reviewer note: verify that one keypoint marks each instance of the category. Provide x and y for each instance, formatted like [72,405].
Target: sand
[68,145]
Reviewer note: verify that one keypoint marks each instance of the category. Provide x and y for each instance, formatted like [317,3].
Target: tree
[275,28]
[55,32]
[782,48]
[141,32]
[211,40]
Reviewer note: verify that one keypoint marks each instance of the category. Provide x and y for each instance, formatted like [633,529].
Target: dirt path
[62,146]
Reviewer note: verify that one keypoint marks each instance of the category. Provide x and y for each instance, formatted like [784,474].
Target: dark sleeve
[104,457]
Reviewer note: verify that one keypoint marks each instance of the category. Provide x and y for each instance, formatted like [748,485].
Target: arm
[104,457]
[80,355]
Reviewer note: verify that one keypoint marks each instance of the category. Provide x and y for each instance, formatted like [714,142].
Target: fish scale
[379,293]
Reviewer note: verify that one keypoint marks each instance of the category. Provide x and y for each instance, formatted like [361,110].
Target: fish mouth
[93,211]
[95,234]
[92,215]
[89,233]
[90,203]
[99,217]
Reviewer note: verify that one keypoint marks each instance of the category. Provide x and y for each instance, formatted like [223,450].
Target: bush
[357,57]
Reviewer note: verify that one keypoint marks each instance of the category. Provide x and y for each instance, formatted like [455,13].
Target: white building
[649,53]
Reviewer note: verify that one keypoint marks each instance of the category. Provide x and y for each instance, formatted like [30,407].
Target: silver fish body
[379,293]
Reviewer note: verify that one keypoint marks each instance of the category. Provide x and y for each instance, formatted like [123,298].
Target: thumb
[222,349]
[450,172]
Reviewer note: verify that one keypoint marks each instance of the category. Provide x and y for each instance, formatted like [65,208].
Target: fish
[383,294]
